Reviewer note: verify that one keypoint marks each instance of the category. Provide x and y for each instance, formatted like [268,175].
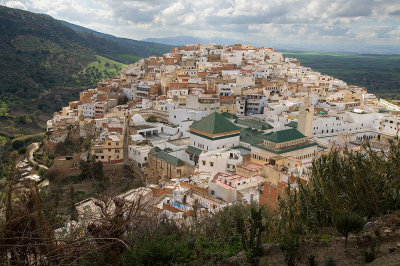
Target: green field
[380,74]
[98,70]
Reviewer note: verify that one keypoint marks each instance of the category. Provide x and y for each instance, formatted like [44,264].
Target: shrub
[369,256]
[330,262]
[250,232]
[347,222]
[311,261]
[16,144]
[289,227]
[21,119]
[22,150]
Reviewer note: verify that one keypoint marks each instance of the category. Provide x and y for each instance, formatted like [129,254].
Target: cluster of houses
[219,124]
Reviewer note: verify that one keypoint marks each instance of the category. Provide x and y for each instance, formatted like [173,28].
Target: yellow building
[166,165]
[110,150]
[286,143]
[283,143]
[225,108]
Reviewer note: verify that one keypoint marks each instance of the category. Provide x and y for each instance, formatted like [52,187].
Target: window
[117,143]
[211,164]
[204,162]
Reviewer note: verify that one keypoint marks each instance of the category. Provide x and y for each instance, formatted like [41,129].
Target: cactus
[250,232]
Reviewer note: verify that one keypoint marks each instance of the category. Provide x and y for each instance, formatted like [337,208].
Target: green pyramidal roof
[214,124]
[284,135]
[229,115]
[292,124]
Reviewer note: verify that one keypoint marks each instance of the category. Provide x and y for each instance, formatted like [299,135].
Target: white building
[139,154]
[222,160]
[87,109]
[214,132]
[228,187]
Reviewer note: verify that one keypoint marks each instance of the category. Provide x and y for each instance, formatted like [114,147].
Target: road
[32,148]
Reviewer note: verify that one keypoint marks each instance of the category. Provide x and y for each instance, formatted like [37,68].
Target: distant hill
[380,74]
[44,64]
[137,48]
[185,40]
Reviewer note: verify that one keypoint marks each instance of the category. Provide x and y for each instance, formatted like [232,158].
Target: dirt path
[32,148]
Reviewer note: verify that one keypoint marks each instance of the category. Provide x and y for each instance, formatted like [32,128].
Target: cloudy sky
[297,23]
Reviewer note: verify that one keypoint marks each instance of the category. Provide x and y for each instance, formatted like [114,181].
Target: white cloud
[335,22]
[15,4]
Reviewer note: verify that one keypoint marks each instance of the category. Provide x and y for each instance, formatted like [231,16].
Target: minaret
[306,116]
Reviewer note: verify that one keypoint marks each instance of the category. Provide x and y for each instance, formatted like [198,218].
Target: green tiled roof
[241,147]
[229,115]
[292,124]
[251,136]
[155,149]
[214,124]
[193,150]
[291,148]
[284,135]
[169,158]
[253,124]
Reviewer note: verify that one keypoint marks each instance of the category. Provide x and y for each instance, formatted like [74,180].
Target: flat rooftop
[180,142]
[252,166]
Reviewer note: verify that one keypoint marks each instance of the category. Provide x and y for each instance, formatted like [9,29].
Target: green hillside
[380,74]
[97,70]
[44,64]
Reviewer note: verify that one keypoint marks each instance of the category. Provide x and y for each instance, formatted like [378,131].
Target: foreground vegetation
[346,190]
[380,74]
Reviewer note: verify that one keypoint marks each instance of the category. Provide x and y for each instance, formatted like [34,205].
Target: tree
[347,222]
[4,109]
[288,226]
[91,169]
[117,217]
[21,119]
[26,237]
[250,231]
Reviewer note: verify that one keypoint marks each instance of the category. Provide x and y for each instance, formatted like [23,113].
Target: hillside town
[217,124]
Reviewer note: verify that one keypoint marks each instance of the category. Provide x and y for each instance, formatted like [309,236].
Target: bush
[21,119]
[347,222]
[22,150]
[288,226]
[250,232]
[330,262]
[160,248]
[51,174]
[311,261]
[16,144]
[370,256]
